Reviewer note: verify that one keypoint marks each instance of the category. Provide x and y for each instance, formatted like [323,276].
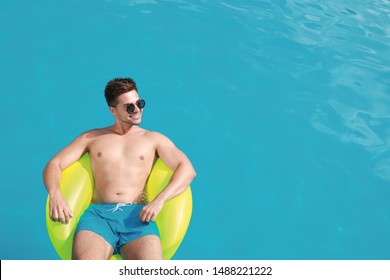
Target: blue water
[282,106]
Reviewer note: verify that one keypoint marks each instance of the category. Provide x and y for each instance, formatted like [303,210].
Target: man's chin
[135,122]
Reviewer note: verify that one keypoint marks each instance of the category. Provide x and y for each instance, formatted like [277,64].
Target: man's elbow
[189,169]
[192,173]
[52,164]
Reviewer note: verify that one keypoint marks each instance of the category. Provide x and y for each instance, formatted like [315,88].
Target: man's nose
[136,109]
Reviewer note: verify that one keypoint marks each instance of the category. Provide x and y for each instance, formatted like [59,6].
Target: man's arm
[59,208]
[183,174]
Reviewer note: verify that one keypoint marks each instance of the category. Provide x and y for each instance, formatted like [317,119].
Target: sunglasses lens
[141,103]
[130,108]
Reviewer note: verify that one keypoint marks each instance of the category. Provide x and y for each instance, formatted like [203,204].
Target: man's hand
[59,209]
[151,210]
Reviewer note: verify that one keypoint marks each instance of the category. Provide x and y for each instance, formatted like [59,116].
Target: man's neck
[123,129]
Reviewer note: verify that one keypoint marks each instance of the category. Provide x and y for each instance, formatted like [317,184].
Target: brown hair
[116,87]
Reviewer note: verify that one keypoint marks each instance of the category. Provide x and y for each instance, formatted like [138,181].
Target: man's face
[124,100]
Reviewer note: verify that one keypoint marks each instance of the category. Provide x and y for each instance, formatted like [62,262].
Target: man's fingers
[146,215]
[67,218]
[54,215]
[143,217]
[60,216]
[147,218]
[150,212]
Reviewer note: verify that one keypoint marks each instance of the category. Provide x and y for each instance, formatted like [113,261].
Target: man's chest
[114,148]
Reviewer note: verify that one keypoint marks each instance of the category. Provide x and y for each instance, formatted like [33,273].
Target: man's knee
[88,245]
[144,248]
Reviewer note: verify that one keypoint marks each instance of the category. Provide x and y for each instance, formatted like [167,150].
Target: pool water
[282,106]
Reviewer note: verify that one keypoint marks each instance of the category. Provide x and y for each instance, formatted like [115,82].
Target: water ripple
[357,126]
[234,7]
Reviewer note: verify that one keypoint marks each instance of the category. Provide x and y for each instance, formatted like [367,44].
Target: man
[119,219]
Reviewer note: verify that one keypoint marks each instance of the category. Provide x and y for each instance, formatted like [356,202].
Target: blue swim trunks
[118,223]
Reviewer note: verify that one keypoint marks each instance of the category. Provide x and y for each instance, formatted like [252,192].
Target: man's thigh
[88,245]
[147,247]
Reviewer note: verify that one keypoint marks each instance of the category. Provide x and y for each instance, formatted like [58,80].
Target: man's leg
[147,247]
[88,245]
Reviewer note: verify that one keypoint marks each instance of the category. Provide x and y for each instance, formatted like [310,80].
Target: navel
[99,154]
[141,157]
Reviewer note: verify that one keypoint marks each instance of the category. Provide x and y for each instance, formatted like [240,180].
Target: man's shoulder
[155,134]
[159,138]
[95,132]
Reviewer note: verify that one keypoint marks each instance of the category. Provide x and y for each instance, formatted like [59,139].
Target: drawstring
[119,205]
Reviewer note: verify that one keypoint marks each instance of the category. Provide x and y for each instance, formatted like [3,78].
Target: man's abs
[119,183]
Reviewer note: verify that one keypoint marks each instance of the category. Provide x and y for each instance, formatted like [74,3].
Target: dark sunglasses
[130,107]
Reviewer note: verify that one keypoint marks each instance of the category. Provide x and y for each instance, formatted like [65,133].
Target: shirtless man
[119,219]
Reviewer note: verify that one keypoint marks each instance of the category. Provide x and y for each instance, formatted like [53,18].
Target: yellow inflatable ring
[77,188]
